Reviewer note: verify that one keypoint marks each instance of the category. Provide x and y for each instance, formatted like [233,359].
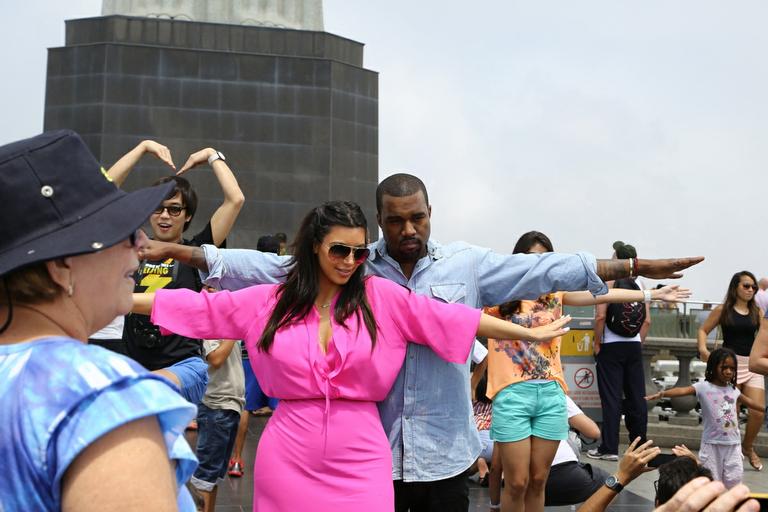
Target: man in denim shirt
[428,413]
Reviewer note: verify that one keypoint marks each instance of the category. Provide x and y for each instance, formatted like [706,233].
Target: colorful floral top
[483,413]
[513,361]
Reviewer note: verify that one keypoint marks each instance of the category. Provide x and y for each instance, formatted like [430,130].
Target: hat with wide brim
[56,201]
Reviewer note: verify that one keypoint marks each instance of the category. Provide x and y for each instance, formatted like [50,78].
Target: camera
[145,333]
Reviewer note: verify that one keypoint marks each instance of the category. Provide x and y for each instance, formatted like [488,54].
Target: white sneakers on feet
[595,454]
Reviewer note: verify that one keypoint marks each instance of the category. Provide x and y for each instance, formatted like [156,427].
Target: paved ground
[236,494]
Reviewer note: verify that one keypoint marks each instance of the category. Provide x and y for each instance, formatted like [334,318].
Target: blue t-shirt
[57,396]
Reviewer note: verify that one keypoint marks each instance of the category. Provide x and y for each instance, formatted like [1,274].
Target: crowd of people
[366,346]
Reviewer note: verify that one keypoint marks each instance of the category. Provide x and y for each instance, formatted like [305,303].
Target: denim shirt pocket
[449,292]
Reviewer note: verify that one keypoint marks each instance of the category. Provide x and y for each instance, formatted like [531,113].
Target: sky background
[589,121]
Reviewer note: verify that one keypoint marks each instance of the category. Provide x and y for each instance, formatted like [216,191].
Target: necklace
[323,306]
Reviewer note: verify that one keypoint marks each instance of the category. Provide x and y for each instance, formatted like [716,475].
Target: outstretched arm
[225,215]
[123,167]
[610,270]
[672,392]
[189,255]
[669,293]
[492,327]
[758,358]
[751,403]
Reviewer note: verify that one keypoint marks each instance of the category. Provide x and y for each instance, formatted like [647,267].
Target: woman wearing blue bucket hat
[82,428]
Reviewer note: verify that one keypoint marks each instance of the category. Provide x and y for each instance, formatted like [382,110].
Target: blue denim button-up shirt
[428,413]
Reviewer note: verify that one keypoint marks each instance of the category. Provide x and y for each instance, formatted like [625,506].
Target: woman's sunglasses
[342,252]
[748,286]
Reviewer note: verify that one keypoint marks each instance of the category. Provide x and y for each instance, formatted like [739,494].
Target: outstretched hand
[196,159]
[672,293]
[666,269]
[549,331]
[703,494]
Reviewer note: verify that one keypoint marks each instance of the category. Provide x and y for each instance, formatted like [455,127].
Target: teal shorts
[526,409]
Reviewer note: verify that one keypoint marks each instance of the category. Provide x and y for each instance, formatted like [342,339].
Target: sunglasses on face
[748,286]
[173,211]
[342,252]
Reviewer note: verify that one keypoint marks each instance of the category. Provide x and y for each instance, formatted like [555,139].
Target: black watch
[613,484]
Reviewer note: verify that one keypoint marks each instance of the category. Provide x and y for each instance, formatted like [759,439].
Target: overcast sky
[589,121]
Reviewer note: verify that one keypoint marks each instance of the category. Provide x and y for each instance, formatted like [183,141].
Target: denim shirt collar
[379,250]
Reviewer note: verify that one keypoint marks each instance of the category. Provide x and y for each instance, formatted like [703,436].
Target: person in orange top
[527,385]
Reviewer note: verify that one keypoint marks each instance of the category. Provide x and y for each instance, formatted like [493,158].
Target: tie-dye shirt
[57,396]
[513,361]
[719,413]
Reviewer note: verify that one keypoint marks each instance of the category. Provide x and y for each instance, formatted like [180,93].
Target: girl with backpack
[739,319]
[718,396]
[527,384]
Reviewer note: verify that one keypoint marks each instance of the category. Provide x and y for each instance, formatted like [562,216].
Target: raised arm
[193,256]
[225,215]
[758,358]
[704,329]
[123,167]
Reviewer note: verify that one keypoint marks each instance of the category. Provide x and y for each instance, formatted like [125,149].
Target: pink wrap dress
[324,449]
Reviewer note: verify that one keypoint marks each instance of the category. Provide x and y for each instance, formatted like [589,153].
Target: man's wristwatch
[217,155]
[613,484]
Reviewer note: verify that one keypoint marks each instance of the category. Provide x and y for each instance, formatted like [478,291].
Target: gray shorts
[724,461]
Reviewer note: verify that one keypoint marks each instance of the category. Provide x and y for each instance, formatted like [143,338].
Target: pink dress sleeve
[448,329]
[220,315]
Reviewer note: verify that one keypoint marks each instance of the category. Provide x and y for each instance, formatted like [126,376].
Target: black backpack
[626,319]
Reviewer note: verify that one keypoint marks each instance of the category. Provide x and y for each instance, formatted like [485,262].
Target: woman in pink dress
[329,343]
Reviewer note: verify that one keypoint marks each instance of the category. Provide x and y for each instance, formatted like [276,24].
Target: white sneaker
[595,454]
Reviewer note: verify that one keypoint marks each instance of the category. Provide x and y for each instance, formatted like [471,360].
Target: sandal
[754,460]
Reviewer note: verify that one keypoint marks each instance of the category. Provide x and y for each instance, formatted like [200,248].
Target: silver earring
[70,290]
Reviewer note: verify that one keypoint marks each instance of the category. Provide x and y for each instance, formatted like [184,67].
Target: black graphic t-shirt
[145,344]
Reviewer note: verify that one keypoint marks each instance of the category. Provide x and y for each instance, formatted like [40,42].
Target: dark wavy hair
[297,295]
[730,299]
[524,244]
[715,358]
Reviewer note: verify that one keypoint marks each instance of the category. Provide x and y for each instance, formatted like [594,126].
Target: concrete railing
[684,350]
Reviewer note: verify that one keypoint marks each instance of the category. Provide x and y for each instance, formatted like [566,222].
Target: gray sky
[589,121]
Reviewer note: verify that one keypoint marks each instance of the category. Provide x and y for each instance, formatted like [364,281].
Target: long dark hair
[298,293]
[715,358]
[523,245]
[730,300]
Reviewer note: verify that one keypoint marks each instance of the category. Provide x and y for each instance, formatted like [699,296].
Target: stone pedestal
[294,111]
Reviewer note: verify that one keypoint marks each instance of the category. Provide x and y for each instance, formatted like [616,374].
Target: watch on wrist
[217,155]
[613,484]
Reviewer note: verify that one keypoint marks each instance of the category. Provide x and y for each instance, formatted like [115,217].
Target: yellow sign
[577,342]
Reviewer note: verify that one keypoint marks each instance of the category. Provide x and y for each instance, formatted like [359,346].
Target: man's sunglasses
[342,252]
[173,211]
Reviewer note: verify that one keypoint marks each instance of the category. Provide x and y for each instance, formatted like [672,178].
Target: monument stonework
[294,111]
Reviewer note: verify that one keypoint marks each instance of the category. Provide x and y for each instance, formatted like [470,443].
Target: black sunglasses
[342,252]
[173,211]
